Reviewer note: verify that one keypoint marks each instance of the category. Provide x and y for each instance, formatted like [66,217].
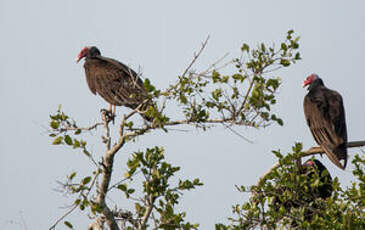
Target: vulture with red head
[305,195]
[323,191]
[325,115]
[118,84]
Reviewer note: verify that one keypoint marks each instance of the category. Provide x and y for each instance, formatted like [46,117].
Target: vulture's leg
[113,112]
[109,113]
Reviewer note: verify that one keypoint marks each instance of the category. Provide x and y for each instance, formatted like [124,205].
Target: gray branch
[147,213]
[107,168]
[97,225]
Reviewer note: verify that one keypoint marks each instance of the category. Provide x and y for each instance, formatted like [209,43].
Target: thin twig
[196,56]
[121,181]
[237,133]
[70,128]
[74,206]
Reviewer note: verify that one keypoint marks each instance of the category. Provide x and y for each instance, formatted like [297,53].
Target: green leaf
[278,154]
[297,147]
[183,99]
[285,62]
[280,121]
[148,86]
[216,94]
[224,79]
[64,116]
[245,47]
[96,208]
[57,141]
[242,189]
[72,175]
[196,181]
[238,77]
[297,56]
[78,131]
[86,153]
[76,144]
[68,140]
[85,202]
[83,143]
[68,224]
[86,180]
[77,202]
[210,104]
[122,187]
[263,48]
[294,45]
[215,76]
[284,46]
[129,124]
[55,124]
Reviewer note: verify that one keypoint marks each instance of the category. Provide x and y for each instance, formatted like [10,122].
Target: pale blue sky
[41,39]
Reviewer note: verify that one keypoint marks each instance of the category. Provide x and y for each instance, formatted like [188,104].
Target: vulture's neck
[93,57]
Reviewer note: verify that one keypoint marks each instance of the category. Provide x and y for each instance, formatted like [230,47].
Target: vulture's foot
[107,115]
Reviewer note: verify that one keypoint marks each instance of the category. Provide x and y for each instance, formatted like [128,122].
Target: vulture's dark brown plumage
[325,115]
[118,84]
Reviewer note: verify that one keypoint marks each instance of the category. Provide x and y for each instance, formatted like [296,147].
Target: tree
[205,99]
[344,209]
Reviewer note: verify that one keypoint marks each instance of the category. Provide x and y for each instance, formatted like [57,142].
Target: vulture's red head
[315,164]
[88,51]
[309,163]
[310,79]
[82,54]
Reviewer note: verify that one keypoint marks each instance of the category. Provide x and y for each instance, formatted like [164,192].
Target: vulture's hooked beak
[305,83]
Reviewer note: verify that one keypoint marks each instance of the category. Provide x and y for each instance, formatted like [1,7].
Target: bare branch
[147,212]
[196,56]
[246,96]
[121,181]
[97,225]
[237,133]
[214,67]
[73,207]
[108,160]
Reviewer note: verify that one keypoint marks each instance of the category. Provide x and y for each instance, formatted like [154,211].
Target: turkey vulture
[118,84]
[305,197]
[325,189]
[325,115]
